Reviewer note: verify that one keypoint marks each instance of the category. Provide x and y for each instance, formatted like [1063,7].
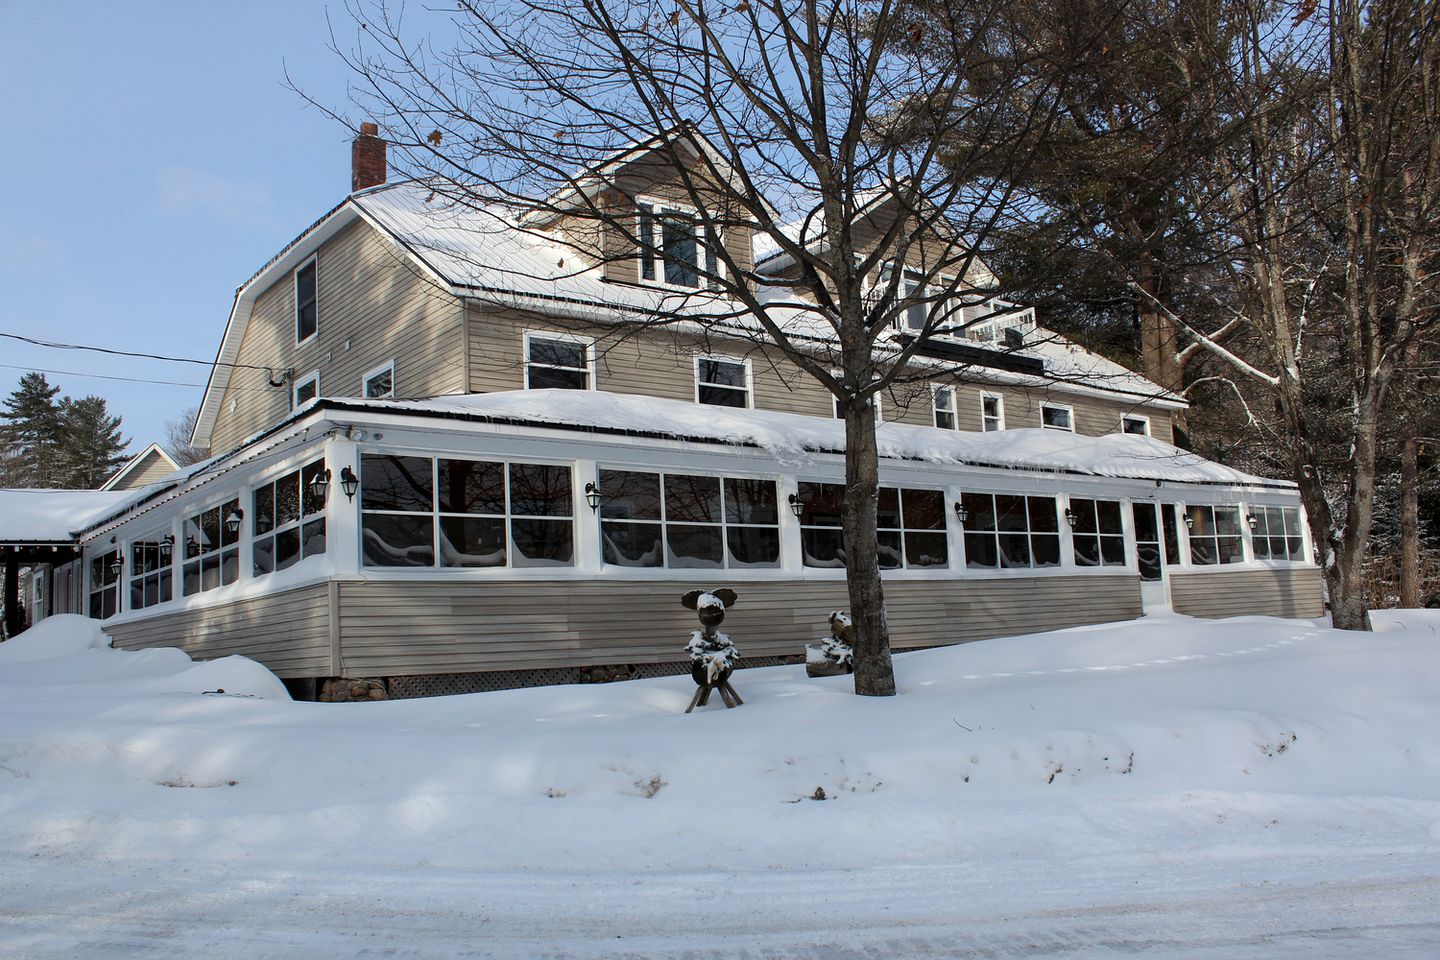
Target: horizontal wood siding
[287,632]
[153,467]
[392,628]
[374,304]
[1272,592]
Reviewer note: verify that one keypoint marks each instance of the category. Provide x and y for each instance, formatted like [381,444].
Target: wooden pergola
[23,554]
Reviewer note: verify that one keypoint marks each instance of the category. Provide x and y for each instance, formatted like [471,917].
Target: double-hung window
[722,381]
[150,581]
[481,513]
[1099,533]
[687,521]
[1133,423]
[288,522]
[910,527]
[992,412]
[1006,530]
[104,585]
[306,388]
[556,361]
[673,251]
[212,549]
[379,383]
[1214,535]
[1054,416]
[307,317]
[1277,534]
[942,398]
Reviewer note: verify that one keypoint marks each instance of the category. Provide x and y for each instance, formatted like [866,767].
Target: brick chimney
[367,158]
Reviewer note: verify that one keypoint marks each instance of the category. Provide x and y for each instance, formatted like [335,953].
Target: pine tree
[31,435]
[91,445]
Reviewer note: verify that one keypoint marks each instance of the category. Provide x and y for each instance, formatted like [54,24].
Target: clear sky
[151,161]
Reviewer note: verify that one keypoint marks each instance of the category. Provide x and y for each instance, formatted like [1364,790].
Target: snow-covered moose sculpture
[712,654]
[836,653]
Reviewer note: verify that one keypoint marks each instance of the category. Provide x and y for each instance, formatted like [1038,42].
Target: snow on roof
[792,437]
[54,516]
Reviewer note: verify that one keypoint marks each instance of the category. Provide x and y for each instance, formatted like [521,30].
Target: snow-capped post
[712,654]
[834,655]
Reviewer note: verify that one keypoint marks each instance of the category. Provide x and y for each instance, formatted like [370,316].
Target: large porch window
[1215,536]
[1099,537]
[212,551]
[150,573]
[104,585]
[1007,531]
[688,521]
[910,527]
[1278,535]
[288,522]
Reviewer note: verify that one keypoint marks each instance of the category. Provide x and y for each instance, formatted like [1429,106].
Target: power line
[103,376]
[53,345]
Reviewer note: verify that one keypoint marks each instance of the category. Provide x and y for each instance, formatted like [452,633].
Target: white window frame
[587,342]
[658,208]
[999,399]
[1069,414]
[946,389]
[371,374]
[749,388]
[313,260]
[1139,418]
[312,377]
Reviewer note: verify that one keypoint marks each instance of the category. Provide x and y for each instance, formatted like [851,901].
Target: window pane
[307,391]
[312,538]
[1055,417]
[165,587]
[1231,549]
[1084,513]
[823,503]
[631,544]
[1202,551]
[543,543]
[980,550]
[1010,512]
[1112,550]
[723,397]
[309,503]
[1087,550]
[822,547]
[380,385]
[694,546]
[889,551]
[229,566]
[540,490]
[558,353]
[1201,522]
[1227,521]
[210,572]
[1014,550]
[629,496]
[750,501]
[1046,550]
[728,373]
[1146,527]
[924,509]
[398,541]
[287,548]
[1043,514]
[305,301]
[887,512]
[753,546]
[230,509]
[1296,548]
[396,483]
[1109,514]
[678,241]
[192,577]
[210,530]
[471,486]
[926,549]
[472,542]
[694,499]
[263,505]
[262,555]
[549,378]
[980,511]
[1172,536]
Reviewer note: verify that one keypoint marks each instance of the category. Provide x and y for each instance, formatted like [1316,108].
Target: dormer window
[306,315]
[672,245]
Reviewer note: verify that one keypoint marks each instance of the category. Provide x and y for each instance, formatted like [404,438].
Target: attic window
[306,315]
[671,246]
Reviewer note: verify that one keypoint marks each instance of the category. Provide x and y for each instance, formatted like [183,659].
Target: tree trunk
[1410,524]
[874,672]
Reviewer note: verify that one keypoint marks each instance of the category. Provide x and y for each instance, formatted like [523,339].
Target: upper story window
[722,381]
[307,388]
[1054,416]
[672,246]
[910,526]
[688,521]
[1099,533]
[481,513]
[105,585]
[942,398]
[379,383]
[212,548]
[150,580]
[1277,534]
[307,316]
[557,361]
[1005,530]
[992,412]
[288,522]
[1214,534]
[1133,423]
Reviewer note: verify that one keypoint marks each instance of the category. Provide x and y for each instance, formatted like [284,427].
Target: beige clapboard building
[450,454]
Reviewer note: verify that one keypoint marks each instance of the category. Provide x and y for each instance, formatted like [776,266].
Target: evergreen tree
[31,434]
[91,446]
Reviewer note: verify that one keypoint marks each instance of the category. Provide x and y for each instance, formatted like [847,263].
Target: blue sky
[152,161]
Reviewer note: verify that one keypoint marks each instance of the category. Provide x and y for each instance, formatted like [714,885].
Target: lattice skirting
[447,684]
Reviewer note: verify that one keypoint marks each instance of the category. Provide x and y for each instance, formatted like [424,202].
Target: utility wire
[127,353]
[103,376]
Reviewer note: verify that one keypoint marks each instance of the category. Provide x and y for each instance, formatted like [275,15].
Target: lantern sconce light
[1253,520]
[593,496]
[1189,522]
[320,485]
[167,547]
[349,482]
[1071,518]
[962,513]
[233,522]
[116,566]
[797,506]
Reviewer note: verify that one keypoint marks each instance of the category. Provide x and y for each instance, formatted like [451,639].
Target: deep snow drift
[1167,787]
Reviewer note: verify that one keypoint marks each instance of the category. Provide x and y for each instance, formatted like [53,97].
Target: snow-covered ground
[1164,788]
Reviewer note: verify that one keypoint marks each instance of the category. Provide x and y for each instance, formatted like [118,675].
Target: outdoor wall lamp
[349,482]
[961,513]
[116,566]
[797,506]
[320,485]
[167,547]
[232,522]
[1071,518]
[1189,522]
[593,496]
[1253,520]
